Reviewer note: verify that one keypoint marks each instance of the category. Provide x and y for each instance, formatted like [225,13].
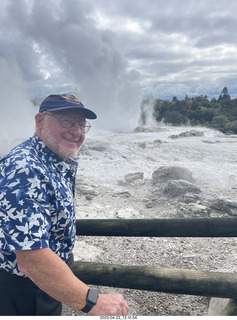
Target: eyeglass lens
[69,123]
[66,122]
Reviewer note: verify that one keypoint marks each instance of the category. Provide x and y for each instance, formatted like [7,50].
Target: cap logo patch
[71,98]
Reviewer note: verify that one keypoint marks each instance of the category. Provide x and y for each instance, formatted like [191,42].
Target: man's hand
[110,305]
[55,278]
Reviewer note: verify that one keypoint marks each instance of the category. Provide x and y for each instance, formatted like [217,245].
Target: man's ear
[39,117]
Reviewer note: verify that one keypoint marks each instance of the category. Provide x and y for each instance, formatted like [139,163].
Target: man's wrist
[91,300]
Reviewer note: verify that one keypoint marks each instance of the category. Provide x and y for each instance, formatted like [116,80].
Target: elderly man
[37,218]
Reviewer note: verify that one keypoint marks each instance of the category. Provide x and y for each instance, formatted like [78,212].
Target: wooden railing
[195,227]
[179,281]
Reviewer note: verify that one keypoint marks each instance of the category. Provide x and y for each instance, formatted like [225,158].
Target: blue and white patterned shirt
[36,202]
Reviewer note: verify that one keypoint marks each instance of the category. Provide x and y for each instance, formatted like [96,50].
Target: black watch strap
[91,300]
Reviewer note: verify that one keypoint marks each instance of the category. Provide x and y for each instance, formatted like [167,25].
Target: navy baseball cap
[57,102]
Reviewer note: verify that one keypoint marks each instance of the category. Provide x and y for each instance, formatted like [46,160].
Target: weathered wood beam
[194,227]
[178,281]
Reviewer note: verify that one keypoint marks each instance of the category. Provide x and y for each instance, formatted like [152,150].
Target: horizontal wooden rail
[194,227]
[178,281]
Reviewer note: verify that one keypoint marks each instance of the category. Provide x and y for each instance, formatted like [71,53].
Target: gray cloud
[182,42]
[58,46]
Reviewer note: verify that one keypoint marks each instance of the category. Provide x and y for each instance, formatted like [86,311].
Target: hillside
[219,114]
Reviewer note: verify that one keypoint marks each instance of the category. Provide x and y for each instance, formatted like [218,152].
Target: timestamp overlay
[131,317]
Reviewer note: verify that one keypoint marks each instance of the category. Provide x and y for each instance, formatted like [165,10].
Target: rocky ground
[171,193]
[182,253]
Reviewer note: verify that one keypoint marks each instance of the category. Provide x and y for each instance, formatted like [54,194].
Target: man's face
[65,142]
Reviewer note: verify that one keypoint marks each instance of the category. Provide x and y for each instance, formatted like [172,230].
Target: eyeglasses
[68,122]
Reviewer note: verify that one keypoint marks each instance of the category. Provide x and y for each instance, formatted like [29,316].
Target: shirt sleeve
[24,209]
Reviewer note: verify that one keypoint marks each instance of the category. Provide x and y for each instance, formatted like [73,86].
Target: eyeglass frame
[84,129]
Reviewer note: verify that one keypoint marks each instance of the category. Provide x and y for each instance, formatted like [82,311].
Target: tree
[219,122]
[174,118]
[225,91]
[200,99]
[220,114]
[224,94]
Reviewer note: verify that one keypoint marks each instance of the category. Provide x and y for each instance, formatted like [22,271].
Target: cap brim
[87,112]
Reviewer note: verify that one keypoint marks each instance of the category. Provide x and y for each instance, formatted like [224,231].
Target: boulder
[192,210]
[142,129]
[190,198]
[85,187]
[142,145]
[130,177]
[191,133]
[176,188]
[157,141]
[164,174]
[122,194]
[225,206]
[127,213]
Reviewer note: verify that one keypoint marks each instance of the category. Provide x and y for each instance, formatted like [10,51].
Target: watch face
[92,296]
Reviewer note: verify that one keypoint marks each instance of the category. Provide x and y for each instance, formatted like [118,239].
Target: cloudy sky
[111,54]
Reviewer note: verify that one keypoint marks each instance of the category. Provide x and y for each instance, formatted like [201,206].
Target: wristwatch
[91,300]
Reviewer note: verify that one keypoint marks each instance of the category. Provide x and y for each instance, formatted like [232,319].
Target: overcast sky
[113,53]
